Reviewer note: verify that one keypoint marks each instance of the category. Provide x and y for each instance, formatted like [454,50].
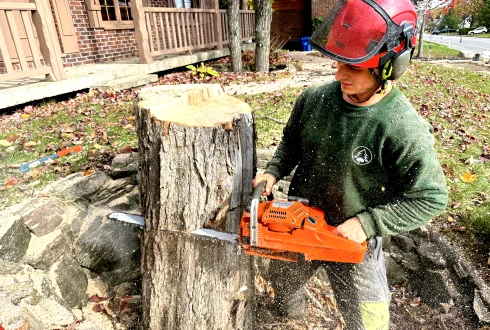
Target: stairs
[126,82]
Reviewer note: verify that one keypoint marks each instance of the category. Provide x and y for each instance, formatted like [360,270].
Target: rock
[43,252]
[432,286]
[70,282]
[124,165]
[431,255]
[77,186]
[45,218]
[396,273]
[110,248]
[14,238]
[404,242]
[481,309]
[15,317]
[111,190]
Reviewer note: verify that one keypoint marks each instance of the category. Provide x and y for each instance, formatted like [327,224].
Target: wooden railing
[161,31]
[27,55]
[247,24]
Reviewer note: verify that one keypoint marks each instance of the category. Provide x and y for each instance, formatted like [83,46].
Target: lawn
[454,100]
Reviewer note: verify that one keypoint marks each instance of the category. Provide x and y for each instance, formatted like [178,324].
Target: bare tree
[234,35]
[263,19]
[423,7]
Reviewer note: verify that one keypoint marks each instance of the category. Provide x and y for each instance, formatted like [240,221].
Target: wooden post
[141,32]
[48,40]
[197,157]
[218,32]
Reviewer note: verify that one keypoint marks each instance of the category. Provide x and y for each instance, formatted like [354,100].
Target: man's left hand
[352,230]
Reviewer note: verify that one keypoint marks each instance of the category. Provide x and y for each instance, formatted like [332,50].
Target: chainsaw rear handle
[254,210]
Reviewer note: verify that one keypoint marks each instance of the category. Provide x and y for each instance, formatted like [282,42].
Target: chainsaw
[283,230]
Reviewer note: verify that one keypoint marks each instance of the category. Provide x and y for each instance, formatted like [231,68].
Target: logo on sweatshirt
[362,156]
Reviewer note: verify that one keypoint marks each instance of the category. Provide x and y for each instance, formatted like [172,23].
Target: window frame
[96,21]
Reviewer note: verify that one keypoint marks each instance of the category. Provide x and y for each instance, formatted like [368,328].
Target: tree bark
[420,50]
[263,19]
[234,35]
[197,156]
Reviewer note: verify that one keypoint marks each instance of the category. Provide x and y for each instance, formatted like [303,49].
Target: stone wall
[64,263]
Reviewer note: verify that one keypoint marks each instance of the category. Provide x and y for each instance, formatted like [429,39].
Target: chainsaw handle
[259,189]
[254,210]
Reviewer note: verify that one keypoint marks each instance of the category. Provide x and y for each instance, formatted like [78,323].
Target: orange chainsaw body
[288,228]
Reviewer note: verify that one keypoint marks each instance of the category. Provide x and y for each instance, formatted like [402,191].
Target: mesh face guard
[359,32]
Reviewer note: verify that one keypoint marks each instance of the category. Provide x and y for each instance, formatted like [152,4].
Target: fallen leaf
[10,183]
[30,144]
[468,177]
[5,143]
[461,229]
[447,306]
[450,219]
[25,116]
[96,298]
[89,172]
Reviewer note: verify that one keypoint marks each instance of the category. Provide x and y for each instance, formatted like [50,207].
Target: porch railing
[22,55]
[161,31]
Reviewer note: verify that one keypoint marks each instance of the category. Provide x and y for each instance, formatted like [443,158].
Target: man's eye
[354,68]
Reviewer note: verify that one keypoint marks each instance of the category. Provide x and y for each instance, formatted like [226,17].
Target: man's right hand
[270,181]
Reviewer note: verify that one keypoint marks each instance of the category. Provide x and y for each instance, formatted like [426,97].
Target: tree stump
[197,157]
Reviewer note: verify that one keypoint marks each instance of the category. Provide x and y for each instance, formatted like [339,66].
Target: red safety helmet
[369,34]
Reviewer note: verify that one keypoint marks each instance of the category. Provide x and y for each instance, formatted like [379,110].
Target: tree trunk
[244,5]
[263,19]
[197,156]
[420,50]
[234,35]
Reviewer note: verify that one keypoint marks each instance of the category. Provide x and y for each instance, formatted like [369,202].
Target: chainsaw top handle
[254,209]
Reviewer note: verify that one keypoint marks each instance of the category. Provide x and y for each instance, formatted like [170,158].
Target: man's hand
[352,230]
[269,179]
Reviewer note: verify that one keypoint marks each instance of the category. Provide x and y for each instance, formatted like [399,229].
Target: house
[47,37]
[292,19]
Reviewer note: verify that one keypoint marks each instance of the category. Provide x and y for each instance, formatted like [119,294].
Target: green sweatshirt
[376,162]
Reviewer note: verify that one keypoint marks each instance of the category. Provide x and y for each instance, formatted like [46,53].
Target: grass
[435,50]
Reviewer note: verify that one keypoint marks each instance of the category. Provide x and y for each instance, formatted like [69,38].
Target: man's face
[356,81]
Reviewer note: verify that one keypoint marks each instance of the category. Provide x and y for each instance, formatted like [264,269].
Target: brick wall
[321,8]
[296,22]
[287,23]
[98,45]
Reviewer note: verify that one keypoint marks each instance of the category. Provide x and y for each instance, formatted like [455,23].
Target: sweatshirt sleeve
[288,153]
[420,180]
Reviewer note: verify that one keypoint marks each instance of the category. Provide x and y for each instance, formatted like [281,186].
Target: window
[110,14]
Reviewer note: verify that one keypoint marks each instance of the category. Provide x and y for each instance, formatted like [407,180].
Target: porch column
[141,32]
[48,40]
[218,32]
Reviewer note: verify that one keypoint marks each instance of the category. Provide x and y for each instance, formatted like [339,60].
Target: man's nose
[341,72]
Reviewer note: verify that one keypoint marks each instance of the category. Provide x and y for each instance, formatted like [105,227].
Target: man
[363,155]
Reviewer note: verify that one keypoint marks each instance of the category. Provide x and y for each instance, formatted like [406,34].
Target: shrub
[202,71]
[316,22]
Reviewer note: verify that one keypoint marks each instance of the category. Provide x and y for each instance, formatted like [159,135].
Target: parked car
[435,31]
[447,30]
[478,30]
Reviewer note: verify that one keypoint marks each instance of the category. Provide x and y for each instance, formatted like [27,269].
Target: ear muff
[387,70]
[399,65]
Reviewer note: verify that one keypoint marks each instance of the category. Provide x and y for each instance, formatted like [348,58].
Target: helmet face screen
[353,32]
